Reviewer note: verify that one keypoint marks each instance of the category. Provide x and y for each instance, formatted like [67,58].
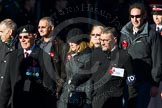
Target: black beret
[74,32]
[156,9]
[26,29]
[76,35]
[79,38]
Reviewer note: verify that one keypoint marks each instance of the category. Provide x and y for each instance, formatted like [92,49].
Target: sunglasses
[25,37]
[95,34]
[136,16]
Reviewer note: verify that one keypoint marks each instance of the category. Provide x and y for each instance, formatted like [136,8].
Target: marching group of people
[101,69]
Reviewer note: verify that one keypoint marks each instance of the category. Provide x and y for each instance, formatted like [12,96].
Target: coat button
[2,77]
[4,61]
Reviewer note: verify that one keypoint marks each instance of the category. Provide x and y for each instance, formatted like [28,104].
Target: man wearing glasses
[114,71]
[144,46]
[28,82]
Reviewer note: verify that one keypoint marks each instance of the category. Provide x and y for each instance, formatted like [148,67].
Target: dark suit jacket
[107,86]
[41,88]
[5,50]
[153,26]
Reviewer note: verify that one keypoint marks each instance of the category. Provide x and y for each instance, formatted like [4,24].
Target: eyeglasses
[25,37]
[95,34]
[105,40]
[136,16]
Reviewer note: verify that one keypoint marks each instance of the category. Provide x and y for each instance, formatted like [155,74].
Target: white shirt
[28,51]
[134,31]
[158,27]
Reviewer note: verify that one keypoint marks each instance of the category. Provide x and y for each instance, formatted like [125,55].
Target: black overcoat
[38,91]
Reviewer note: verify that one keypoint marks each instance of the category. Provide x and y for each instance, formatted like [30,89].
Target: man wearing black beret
[27,29]
[28,83]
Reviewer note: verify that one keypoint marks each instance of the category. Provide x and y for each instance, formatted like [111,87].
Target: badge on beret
[24,30]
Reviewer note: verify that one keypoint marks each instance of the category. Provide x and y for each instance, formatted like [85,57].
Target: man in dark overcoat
[28,82]
[114,74]
[7,44]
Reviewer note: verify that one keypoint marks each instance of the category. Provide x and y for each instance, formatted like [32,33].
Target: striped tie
[26,54]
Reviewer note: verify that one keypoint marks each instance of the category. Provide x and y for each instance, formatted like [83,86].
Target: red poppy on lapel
[125,44]
[110,71]
[68,57]
[161,33]
[52,54]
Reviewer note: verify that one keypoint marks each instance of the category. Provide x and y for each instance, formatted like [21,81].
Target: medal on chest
[32,72]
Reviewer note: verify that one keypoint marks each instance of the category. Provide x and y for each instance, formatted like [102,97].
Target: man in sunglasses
[28,82]
[144,46]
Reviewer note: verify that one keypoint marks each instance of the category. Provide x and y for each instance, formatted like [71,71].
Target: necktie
[26,54]
[157,28]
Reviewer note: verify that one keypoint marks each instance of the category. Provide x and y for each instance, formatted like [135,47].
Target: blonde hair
[82,46]
[95,27]
[91,44]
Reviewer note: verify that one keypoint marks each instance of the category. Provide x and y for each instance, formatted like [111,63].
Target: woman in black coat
[76,91]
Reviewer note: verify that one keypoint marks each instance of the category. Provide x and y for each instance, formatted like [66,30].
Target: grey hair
[49,19]
[10,24]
